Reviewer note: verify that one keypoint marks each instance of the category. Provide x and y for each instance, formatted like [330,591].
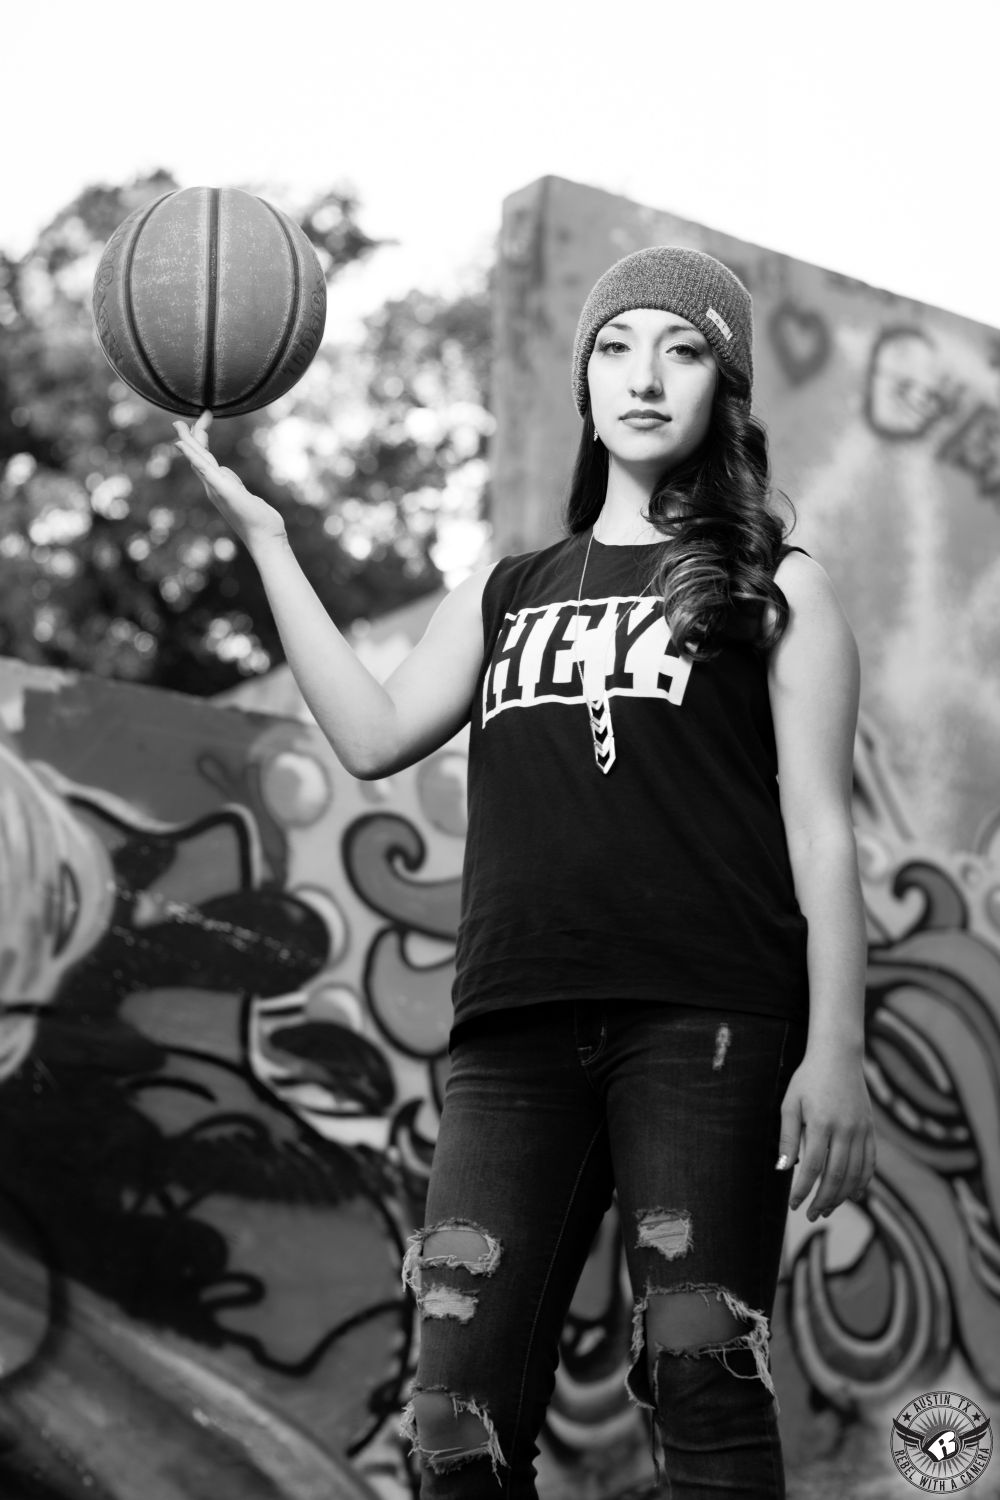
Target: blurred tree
[113,561]
[405,458]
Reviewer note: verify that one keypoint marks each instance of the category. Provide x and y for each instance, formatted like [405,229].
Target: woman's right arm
[374,728]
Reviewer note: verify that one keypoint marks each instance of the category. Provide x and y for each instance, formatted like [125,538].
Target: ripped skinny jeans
[549,1111]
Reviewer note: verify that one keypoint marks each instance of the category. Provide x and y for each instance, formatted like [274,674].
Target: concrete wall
[884,420]
[225,969]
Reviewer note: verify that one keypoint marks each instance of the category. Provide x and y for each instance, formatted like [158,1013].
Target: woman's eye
[615,346]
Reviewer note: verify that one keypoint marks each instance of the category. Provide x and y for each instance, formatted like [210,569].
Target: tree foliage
[112,560]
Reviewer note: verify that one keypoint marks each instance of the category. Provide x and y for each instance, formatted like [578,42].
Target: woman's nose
[645,379]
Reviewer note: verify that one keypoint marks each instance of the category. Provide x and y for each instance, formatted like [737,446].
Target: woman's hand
[250,517]
[826,1125]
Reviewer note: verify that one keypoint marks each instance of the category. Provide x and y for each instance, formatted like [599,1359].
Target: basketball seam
[290,325]
[152,373]
[212,305]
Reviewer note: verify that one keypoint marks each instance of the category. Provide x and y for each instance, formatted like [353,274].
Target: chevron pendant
[602,732]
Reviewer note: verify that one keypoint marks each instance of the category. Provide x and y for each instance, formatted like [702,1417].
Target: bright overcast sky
[861,136]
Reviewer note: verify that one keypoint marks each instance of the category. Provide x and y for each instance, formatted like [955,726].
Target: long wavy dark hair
[722,538]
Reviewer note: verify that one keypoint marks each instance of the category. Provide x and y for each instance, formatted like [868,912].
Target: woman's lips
[644,420]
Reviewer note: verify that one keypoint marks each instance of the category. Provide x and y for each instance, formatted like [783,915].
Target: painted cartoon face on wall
[57,892]
[652,379]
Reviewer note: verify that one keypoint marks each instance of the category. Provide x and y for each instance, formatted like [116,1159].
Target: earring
[597,435]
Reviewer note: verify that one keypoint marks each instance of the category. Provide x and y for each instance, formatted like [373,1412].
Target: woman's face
[652,379]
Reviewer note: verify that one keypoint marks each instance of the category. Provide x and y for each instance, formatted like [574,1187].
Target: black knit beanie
[671,278]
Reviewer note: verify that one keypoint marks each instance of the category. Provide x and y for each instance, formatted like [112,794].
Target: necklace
[593,670]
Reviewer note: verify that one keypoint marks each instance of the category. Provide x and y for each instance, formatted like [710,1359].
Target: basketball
[209,299]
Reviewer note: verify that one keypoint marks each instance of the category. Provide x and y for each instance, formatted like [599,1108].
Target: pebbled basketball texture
[209,298]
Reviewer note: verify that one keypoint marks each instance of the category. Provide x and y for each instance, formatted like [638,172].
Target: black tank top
[666,878]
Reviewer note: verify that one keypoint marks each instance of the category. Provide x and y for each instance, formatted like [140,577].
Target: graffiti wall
[225,970]
[884,422]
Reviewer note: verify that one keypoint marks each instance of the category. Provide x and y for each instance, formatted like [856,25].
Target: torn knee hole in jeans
[667,1230]
[440,1455]
[455,1242]
[755,1339]
[447,1302]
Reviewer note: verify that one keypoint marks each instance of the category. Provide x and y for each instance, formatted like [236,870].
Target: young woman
[661,958]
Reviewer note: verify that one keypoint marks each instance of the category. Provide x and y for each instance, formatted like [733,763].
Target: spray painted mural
[225,969]
[225,978]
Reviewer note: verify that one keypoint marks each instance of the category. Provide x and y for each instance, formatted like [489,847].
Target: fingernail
[781,1164]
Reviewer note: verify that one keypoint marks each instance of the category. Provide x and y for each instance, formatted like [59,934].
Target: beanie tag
[720,323]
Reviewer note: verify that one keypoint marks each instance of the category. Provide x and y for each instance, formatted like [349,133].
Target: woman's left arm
[826,1117]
